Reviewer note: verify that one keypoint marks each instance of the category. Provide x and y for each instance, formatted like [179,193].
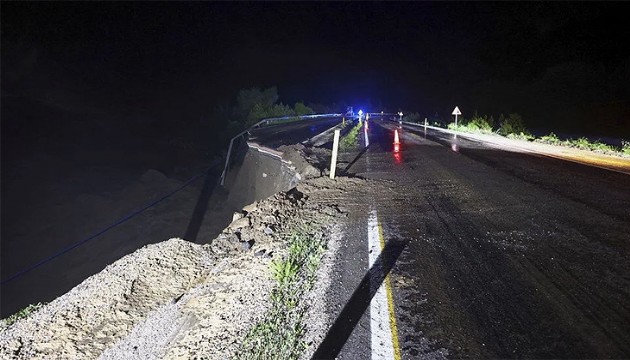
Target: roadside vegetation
[351,140]
[253,105]
[413,117]
[279,335]
[248,107]
[584,144]
[22,314]
[513,127]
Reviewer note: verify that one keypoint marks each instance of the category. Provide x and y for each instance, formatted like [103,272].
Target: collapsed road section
[421,249]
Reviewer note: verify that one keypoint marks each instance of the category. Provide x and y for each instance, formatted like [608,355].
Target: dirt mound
[104,307]
[307,166]
[174,299]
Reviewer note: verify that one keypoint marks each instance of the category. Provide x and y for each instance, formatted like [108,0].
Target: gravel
[180,300]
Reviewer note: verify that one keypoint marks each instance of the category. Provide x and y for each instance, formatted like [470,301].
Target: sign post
[456,112]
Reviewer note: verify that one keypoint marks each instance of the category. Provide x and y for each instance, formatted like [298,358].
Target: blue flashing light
[360,112]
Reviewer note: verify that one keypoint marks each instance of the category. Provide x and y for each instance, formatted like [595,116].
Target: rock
[228,238]
[240,223]
[270,219]
[268,230]
[250,208]
[246,245]
[237,216]
[224,242]
[260,252]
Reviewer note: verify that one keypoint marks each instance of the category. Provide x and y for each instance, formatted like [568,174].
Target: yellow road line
[390,303]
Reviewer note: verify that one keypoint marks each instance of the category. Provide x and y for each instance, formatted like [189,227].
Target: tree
[301,109]
[254,100]
[513,125]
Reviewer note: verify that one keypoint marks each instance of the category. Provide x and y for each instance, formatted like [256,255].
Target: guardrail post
[333,160]
[227,160]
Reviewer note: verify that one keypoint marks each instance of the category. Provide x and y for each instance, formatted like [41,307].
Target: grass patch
[478,124]
[279,334]
[513,128]
[551,139]
[584,144]
[22,314]
[522,136]
[351,140]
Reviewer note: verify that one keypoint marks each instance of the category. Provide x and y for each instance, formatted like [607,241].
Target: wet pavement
[274,136]
[501,254]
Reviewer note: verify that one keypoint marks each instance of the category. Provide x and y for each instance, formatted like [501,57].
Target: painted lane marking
[390,302]
[384,333]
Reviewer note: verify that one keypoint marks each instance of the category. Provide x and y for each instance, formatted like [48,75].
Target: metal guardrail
[265,122]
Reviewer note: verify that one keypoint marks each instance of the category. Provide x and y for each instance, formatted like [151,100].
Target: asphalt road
[274,136]
[494,254]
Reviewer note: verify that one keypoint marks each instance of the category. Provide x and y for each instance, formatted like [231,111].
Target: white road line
[380,325]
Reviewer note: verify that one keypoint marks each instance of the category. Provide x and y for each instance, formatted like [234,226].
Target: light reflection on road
[397,157]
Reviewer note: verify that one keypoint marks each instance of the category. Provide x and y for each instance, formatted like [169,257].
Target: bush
[584,144]
[625,147]
[260,112]
[301,109]
[512,125]
[522,136]
[476,124]
[601,147]
[412,117]
[479,123]
[280,110]
[550,139]
[452,126]
[581,143]
[252,102]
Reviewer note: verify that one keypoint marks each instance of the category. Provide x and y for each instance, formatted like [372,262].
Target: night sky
[564,66]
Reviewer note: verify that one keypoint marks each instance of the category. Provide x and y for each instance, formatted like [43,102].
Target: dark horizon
[562,66]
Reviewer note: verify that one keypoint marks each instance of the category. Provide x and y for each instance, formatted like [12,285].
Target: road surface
[489,254]
[274,136]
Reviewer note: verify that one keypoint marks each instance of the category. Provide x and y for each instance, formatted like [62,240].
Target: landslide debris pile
[176,299]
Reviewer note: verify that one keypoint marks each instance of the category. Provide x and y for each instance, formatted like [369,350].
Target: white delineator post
[425,128]
[333,160]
